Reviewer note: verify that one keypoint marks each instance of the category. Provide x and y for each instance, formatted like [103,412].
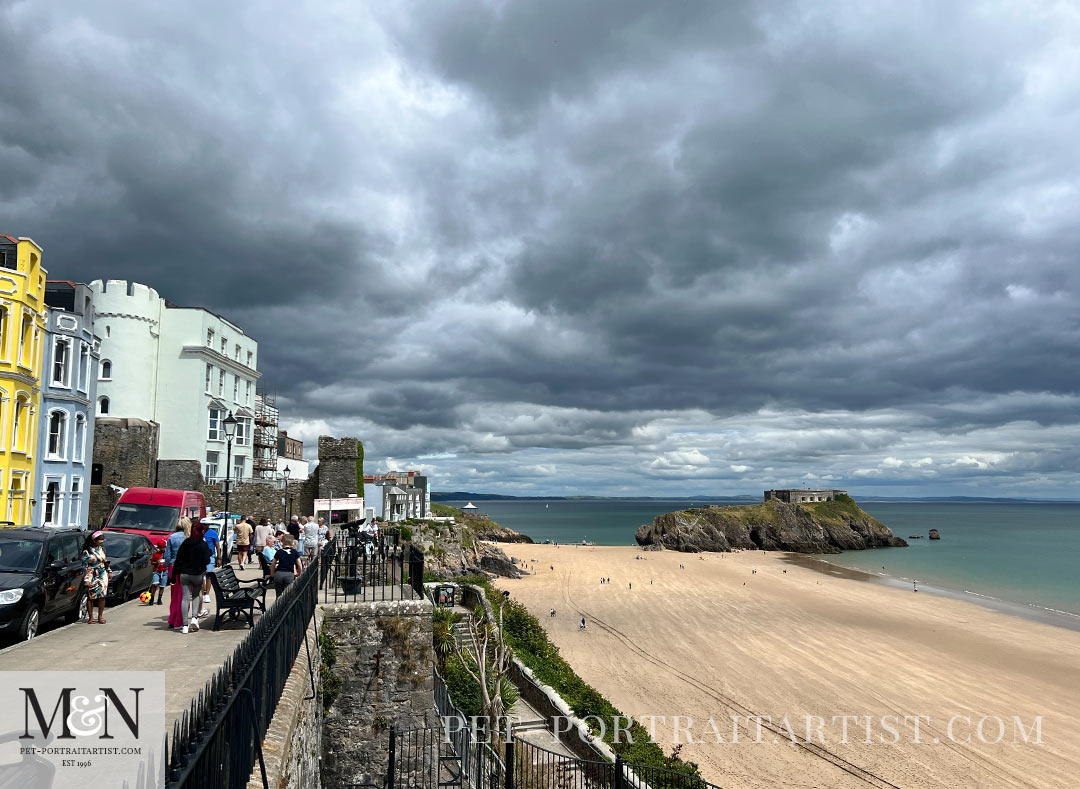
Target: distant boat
[546,506]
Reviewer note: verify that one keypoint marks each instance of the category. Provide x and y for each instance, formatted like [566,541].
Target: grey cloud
[583,237]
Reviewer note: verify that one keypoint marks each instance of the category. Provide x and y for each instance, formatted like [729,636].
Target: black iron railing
[218,741]
[478,764]
[361,567]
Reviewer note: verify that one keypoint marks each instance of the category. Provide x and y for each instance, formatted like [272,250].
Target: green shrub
[329,681]
[531,645]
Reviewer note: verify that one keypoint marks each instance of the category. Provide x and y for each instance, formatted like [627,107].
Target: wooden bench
[233,600]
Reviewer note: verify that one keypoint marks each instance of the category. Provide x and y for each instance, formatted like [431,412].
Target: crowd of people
[183,562]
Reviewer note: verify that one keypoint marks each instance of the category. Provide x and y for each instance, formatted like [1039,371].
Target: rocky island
[831,526]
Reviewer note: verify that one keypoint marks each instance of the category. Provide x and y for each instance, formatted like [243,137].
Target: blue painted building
[69,375]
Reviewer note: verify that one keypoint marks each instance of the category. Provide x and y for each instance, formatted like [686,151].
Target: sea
[1023,558]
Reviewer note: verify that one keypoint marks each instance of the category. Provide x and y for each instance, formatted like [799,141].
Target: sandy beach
[713,639]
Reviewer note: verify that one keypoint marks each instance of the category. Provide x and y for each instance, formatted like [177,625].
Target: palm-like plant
[443,623]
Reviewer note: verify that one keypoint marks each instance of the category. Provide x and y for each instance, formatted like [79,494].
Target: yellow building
[22,330]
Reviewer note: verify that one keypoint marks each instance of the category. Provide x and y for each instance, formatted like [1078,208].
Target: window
[97,473]
[209,376]
[250,354]
[238,467]
[76,500]
[216,432]
[60,363]
[103,406]
[52,508]
[27,337]
[236,389]
[16,442]
[243,431]
[209,338]
[224,345]
[84,366]
[79,448]
[236,353]
[247,385]
[57,430]
[221,382]
[3,330]
[7,261]
[106,370]
[211,471]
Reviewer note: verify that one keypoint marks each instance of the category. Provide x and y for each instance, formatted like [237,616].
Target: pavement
[137,637]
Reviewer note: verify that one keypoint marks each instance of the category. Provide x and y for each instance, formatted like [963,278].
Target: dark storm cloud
[734,244]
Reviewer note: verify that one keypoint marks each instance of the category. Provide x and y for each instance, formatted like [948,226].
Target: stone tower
[337,467]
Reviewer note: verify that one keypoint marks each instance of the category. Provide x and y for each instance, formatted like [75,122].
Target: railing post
[390,764]
[509,764]
[618,771]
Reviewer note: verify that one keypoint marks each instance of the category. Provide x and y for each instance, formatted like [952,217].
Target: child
[161,572]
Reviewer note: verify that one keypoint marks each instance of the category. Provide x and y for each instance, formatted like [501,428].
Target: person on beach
[286,566]
[192,559]
[582,625]
[914,585]
[552,614]
[96,577]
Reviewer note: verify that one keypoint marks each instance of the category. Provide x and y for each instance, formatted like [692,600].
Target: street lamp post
[286,472]
[229,423]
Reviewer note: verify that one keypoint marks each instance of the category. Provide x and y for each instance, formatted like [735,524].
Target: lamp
[287,472]
[114,478]
[229,425]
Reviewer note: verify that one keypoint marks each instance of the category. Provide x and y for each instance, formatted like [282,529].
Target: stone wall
[293,742]
[127,446]
[384,660]
[261,498]
[337,467]
[179,474]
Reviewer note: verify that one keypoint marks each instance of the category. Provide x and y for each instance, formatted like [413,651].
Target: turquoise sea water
[1020,553]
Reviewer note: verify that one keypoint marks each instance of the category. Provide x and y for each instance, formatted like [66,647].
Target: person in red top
[161,572]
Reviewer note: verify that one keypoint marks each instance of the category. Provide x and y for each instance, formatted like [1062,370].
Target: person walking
[262,531]
[213,540]
[172,545]
[286,566]
[243,531]
[294,527]
[582,625]
[311,538]
[192,559]
[96,576]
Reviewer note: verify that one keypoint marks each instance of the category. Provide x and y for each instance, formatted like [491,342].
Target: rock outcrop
[821,527]
[935,534]
[456,549]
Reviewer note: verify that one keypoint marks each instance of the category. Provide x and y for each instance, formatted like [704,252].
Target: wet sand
[714,639]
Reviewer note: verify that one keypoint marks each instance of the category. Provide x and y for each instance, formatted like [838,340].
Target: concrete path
[530,726]
[137,637]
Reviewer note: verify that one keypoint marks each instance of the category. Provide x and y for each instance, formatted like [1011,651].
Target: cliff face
[822,527]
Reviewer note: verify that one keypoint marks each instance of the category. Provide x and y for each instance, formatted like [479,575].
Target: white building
[184,368]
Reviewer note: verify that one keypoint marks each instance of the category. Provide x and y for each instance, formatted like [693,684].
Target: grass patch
[836,508]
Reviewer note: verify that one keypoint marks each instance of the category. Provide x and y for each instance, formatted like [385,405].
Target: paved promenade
[137,637]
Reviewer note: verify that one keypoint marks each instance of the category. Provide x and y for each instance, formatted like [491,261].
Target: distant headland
[461,495]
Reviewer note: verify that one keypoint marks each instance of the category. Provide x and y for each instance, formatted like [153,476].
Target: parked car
[41,578]
[129,558]
[153,512]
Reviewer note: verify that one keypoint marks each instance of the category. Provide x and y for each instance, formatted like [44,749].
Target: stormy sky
[610,247]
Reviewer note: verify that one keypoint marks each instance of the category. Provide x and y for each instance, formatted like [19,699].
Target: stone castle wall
[384,659]
[128,447]
[337,467]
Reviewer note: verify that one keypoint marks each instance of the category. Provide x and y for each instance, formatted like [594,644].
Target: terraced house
[65,442]
[22,331]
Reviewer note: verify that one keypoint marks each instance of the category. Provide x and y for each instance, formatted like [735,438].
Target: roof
[470,506]
[12,239]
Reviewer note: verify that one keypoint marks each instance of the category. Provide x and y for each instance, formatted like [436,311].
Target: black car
[41,578]
[129,559]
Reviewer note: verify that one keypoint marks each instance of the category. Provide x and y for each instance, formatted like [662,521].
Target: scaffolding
[264,464]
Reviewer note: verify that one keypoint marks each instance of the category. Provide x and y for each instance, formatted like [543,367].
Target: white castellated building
[184,368]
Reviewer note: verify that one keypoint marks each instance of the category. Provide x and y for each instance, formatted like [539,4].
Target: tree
[487,658]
